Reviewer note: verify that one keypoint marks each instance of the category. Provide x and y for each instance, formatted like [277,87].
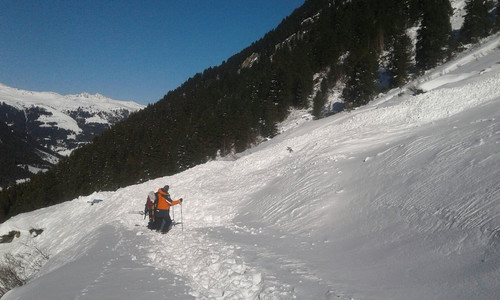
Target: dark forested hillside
[18,151]
[230,107]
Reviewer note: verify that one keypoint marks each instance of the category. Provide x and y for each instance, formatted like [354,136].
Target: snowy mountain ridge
[64,102]
[103,108]
[45,126]
[398,199]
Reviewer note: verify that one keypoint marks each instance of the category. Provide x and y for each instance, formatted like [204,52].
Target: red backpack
[150,207]
[151,203]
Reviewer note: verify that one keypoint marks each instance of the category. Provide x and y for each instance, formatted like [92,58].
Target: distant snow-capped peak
[22,99]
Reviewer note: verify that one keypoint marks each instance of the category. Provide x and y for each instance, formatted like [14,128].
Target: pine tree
[320,100]
[498,15]
[396,20]
[434,34]
[400,59]
[477,22]
[361,78]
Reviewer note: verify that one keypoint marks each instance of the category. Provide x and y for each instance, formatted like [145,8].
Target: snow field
[212,268]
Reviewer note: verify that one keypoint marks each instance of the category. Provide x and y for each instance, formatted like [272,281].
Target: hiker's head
[165,188]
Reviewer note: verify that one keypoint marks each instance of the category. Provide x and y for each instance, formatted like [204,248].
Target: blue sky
[126,50]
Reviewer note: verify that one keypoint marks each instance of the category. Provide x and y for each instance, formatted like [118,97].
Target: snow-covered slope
[399,199]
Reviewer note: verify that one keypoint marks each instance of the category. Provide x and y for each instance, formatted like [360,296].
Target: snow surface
[399,199]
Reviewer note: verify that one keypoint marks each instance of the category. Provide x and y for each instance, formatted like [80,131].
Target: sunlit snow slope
[399,199]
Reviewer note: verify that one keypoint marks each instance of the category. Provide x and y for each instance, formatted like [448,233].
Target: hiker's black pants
[162,220]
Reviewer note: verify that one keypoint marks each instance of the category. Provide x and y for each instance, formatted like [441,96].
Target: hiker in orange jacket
[162,214]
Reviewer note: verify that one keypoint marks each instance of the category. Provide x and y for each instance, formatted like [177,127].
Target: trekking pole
[173,214]
[182,222]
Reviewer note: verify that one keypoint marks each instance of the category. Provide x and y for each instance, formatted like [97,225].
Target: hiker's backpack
[150,207]
[151,203]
